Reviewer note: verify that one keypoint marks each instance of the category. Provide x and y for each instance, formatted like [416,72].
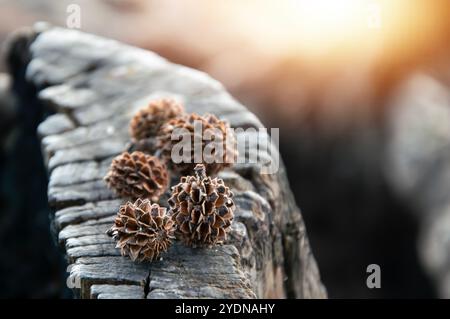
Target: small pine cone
[148,120]
[137,175]
[202,208]
[142,230]
[216,159]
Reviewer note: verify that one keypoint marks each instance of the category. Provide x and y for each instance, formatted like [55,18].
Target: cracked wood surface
[91,86]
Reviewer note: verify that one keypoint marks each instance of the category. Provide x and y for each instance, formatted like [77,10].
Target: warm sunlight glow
[319,21]
[325,28]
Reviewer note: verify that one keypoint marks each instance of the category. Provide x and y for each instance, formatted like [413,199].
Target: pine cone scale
[142,230]
[137,175]
[147,121]
[216,159]
[202,208]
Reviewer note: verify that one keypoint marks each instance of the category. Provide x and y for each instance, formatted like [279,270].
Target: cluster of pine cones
[201,207]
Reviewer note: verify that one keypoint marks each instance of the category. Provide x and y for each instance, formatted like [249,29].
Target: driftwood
[418,167]
[92,86]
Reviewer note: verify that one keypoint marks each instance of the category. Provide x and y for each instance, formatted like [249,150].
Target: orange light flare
[334,30]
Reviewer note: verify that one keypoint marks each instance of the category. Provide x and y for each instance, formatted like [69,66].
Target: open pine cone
[210,124]
[202,208]
[137,175]
[142,230]
[148,120]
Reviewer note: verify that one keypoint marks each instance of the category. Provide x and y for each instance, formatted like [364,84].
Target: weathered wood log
[418,167]
[92,86]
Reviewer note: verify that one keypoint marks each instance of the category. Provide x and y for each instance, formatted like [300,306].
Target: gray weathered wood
[94,85]
[418,167]
[117,292]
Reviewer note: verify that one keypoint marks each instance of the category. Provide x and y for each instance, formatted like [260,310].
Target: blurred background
[358,88]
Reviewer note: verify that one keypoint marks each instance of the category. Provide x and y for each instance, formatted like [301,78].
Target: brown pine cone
[216,160]
[137,175]
[147,121]
[142,230]
[202,208]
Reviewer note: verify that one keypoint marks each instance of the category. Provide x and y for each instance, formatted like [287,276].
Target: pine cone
[202,208]
[142,230]
[210,124]
[147,121]
[138,175]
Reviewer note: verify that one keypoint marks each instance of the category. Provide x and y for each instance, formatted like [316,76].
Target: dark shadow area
[31,265]
[353,219]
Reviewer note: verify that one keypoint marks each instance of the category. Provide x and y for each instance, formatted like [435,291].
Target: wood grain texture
[92,86]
